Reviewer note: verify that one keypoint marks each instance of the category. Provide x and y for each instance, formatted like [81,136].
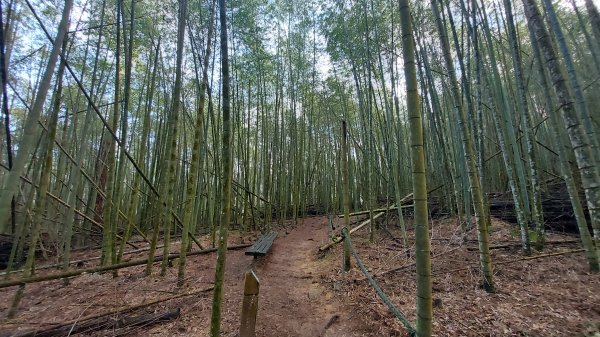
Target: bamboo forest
[335,168]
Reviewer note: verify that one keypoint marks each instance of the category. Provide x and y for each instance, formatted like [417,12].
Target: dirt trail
[301,292]
[297,296]
[293,301]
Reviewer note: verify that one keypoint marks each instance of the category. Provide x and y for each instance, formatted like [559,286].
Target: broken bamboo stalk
[402,201]
[72,273]
[106,322]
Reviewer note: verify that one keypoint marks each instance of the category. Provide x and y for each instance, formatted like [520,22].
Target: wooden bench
[262,245]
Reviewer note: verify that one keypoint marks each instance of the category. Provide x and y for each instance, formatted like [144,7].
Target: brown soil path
[300,293]
[293,300]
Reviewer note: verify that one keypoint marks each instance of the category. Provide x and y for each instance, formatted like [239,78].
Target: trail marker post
[249,305]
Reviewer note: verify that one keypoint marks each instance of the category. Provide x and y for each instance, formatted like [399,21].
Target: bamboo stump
[249,305]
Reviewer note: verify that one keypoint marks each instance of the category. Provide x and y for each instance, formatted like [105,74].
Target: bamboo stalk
[49,277]
[392,208]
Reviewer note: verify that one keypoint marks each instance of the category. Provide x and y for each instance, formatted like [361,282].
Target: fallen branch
[384,298]
[330,322]
[71,323]
[117,266]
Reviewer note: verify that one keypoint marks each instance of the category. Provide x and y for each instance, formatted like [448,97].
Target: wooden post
[249,305]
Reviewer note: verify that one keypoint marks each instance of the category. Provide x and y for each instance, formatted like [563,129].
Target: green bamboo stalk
[576,131]
[191,192]
[474,181]
[421,220]
[347,263]
[41,198]
[215,323]
[31,129]
[110,226]
[528,136]
[580,103]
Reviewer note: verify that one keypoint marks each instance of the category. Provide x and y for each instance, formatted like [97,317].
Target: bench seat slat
[262,245]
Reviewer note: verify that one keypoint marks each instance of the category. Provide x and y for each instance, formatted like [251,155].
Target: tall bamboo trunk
[421,220]
[31,130]
[191,192]
[474,181]
[215,324]
[580,143]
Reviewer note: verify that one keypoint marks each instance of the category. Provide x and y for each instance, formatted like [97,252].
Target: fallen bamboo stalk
[49,277]
[402,201]
[513,261]
[75,262]
[519,244]
[113,312]
[408,265]
[391,208]
[338,238]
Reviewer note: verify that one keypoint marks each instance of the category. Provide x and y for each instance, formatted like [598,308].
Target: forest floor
[301,290]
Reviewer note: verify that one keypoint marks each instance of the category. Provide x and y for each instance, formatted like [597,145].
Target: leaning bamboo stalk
[80,213]
[407,198]
[338,238]
[31,129]
[106,124]
[591,251]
